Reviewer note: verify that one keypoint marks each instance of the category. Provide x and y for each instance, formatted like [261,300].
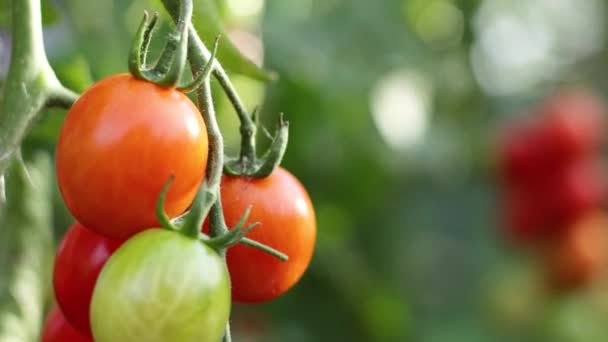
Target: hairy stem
[198,49]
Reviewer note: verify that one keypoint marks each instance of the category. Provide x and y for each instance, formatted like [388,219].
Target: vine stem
[215,162]
[195,44]
[199,56]
[248,126]
[31,84]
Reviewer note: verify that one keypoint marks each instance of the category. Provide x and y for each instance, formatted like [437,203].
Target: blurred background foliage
[394,107]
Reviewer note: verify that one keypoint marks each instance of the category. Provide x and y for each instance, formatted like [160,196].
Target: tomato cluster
[554,184]
[117,278]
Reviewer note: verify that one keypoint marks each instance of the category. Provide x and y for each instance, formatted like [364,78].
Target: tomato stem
[216,141]
[198,80]
[217,224]
[200,56]
[234,236]
[139,48]
[169,67]
[26,223]
[255,244]
[162,216]
[273,157]
[208,190]
[247,163]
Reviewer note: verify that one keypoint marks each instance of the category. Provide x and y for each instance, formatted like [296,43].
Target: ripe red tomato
[57,329]
[282,206]
[567,128]
[580,255]
[576,190]
[571,125]
[119,144]
[551,205]
[522,160]
[80,258]
[527,218]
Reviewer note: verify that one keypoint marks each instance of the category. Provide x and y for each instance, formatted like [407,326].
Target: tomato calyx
[169,67]
[190,223]
[233,236]
[248,164]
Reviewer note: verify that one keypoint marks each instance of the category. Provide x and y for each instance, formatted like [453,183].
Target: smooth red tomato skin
[119,144]
[567,127]
[578,189]
[526,217]
[57,329]
[571,125]
[549,207]
[522,160]
[80,258]
[284,209]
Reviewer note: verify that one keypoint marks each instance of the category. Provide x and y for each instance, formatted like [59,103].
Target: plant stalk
[31,84]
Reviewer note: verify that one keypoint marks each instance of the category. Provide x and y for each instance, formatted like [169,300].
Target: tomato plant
[161,286]
[80,257]
[57,329]
[133,153]
[119,144]
[283,208]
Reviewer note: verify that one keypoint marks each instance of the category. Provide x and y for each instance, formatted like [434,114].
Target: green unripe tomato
[161,286]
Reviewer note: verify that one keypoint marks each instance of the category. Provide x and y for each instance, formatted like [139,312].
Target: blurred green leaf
[99,35]
[574,319]
[46,132]
[4,12]
[26,250]
[74,72]
[50,14]
[208,23]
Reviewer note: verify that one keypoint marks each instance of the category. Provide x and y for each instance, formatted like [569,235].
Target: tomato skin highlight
[80,258]
[57,329]
[284,209]
[118,146]
[161,286]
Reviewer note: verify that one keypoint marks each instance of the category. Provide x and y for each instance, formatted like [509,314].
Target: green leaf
[207,22]
[26,250]
[50,14]
[4,11]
